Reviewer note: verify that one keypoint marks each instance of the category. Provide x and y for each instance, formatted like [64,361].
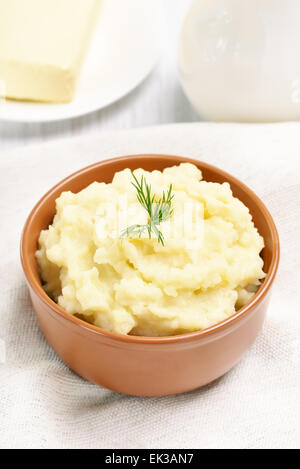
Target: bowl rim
[83,325]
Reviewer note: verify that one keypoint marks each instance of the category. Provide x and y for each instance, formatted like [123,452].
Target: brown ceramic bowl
[147,366]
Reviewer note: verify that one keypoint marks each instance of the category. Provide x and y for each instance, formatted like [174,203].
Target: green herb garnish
[159,210]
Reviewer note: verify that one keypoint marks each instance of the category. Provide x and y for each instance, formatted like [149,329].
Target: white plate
[124,49]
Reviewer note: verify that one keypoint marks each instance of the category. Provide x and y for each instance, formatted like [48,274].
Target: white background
[158,100]
[43,404]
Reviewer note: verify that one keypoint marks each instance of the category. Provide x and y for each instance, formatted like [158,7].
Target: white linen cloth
[43,404]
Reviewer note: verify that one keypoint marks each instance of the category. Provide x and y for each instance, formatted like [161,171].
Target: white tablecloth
[257,405]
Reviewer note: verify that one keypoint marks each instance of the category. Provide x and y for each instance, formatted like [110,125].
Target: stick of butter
[42,46]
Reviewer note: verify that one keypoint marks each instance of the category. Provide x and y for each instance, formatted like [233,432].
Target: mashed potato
[139,286]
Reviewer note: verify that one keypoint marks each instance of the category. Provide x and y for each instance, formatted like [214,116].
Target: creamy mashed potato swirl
[138,286]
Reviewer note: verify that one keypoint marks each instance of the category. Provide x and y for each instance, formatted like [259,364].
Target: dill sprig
[158,210]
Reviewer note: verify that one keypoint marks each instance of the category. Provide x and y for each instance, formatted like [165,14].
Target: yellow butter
[42,46]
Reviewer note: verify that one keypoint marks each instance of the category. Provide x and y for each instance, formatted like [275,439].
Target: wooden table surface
[158,100]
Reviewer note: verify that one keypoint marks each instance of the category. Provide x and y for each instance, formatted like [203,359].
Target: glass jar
[239,60]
